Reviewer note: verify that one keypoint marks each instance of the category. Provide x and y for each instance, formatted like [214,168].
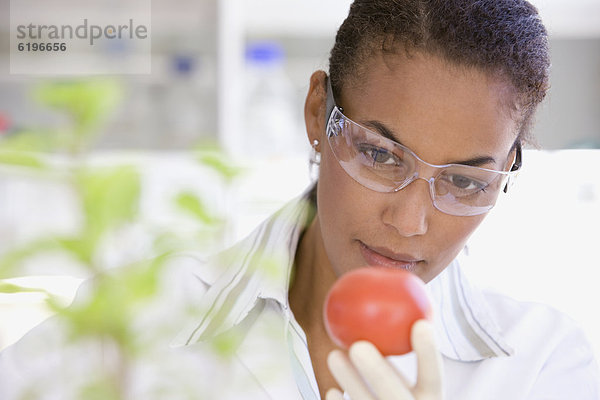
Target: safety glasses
[383,165]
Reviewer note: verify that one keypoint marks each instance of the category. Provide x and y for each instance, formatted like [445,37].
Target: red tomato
[376,304]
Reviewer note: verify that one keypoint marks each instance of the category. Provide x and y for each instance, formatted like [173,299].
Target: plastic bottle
[270,124]
[185,114]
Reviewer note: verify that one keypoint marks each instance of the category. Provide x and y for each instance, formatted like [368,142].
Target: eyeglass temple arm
[330,102]
[518,162]
[516,165]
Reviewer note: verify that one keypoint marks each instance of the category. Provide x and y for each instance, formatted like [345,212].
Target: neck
[313,276]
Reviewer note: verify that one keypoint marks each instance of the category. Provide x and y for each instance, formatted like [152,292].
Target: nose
[407,211]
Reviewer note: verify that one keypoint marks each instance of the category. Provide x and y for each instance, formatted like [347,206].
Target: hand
[367,375]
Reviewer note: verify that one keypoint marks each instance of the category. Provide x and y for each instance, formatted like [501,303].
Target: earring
[315,144]
[314,162]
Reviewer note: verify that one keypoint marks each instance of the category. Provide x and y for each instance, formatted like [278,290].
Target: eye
[379,155]
[465,183]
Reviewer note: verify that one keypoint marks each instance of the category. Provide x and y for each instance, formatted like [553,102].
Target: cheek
[342,203]
[338,194]
[336,201]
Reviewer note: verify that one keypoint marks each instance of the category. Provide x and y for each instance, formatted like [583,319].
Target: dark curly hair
[501,37]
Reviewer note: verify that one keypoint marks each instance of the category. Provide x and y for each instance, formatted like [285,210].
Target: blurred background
[215,134]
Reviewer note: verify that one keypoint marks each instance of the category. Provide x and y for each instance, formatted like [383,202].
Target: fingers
[334,394]
[429,361]
[366,364]
[381,375]
[347,377]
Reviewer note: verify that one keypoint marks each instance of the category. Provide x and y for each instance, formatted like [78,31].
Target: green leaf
[113,301]
[102,314]
[11,288]
[110,197]
[11,260]
[220,162]
[87,101]
[142,279]
[21,159]
[81,248]
[193,205]
[226,343]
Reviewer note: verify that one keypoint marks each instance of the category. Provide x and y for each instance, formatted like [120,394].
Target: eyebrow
[387,133]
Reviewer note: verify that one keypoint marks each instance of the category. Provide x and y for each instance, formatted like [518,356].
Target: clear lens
[467,190]
[386,166]
[369,158]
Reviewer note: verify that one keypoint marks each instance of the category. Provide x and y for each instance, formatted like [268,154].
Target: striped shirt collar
[259,267]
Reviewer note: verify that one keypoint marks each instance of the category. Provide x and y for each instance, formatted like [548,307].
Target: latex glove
[367,375]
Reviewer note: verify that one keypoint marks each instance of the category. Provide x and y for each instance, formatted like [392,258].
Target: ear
[314,107]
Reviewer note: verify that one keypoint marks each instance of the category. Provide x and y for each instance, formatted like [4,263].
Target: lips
[379,256]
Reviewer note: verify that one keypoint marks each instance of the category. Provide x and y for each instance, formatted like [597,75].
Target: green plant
[108,199]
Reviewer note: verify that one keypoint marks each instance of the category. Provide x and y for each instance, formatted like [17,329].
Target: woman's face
[445,114]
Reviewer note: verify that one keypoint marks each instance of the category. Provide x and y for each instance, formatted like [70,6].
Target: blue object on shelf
[264,52]
[183,64]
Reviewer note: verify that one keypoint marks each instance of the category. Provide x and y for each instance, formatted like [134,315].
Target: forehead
[432,105]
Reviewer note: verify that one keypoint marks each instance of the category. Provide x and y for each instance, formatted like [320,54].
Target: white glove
[367,375]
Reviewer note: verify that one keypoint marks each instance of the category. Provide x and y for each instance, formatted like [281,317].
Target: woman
[418,127]
[422,100]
